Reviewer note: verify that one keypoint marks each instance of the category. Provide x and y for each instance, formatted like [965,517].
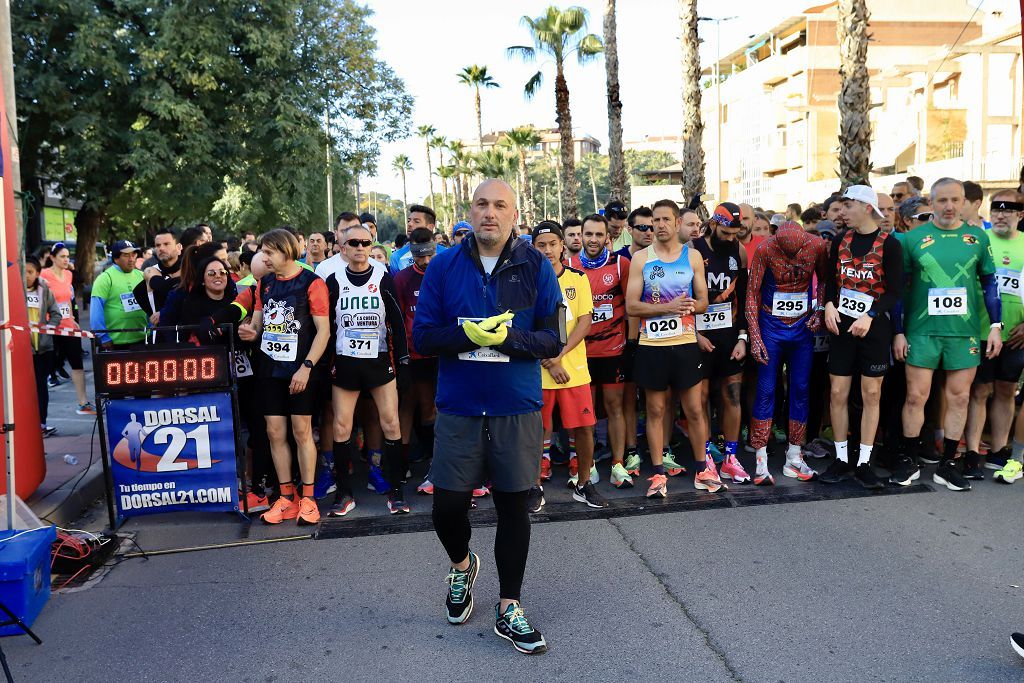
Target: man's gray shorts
[471,451]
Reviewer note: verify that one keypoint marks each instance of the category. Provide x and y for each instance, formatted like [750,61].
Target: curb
[63,506]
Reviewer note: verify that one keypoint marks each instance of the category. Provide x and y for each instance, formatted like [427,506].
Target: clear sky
[427,44]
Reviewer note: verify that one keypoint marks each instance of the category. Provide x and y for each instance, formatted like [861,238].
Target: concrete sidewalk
[67,490]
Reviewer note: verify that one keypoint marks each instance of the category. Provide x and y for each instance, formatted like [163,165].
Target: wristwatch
[872,313]
[307,364]
[995,326]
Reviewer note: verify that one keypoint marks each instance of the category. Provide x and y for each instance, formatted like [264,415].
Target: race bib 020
[280,345]
[854,304]
[664,327]
[243,368]
[947,301]
[360,344]
[790,304]
[717,317]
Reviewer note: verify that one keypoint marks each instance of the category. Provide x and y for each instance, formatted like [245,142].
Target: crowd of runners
[646,337]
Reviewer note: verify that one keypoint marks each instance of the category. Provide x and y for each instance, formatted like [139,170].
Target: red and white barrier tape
[46,329]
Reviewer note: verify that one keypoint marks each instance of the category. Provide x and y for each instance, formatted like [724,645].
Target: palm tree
[616,163]
[458,158]
[439,142]
[520,141]
[476,77]
[854,93]
[558,34]
[427,132]
[401,165]
[693,127]
[446,172]
[496,162]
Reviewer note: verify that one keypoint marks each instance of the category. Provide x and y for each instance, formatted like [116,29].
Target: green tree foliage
[161,112]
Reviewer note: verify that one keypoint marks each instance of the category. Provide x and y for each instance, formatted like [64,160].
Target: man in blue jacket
[491,309]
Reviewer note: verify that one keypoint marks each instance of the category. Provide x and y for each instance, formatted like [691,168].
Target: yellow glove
[490,324]
[484,338]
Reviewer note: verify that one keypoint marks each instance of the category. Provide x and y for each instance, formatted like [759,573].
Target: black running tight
[511,541]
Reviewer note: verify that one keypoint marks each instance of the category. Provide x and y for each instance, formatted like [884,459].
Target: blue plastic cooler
[25,574]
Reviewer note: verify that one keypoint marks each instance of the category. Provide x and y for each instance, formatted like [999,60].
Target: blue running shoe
[716,454]
[324,485]
[376,482]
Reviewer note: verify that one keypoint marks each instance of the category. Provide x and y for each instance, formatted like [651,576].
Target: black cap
[367,218]
[615,209]
[548,227]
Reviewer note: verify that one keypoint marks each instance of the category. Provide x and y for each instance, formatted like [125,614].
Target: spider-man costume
[784,263]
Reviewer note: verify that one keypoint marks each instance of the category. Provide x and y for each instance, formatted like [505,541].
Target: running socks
[307,490]
[762,461]
[1018,451]
[393,464]
[547,449]
[572,446]
[288,491]
[949,448]
[793,453]
[865,454]
[731,447]
[842,452]
[343,452]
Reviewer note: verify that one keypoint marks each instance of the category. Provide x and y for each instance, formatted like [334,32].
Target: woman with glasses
[207,297]
[58,279]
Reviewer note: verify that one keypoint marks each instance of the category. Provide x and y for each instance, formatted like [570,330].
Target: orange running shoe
[545,469]
[256,502]
[309,513]
[481,492]
[659,486]
[732,469]
[707,479]
[281,510]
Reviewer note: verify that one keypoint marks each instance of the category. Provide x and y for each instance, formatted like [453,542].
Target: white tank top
[361,315]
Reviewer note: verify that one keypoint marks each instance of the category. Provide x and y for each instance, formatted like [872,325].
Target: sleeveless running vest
[288,328]
[863,274]
[664,282]
[722,272]
[607,336]
[361,316]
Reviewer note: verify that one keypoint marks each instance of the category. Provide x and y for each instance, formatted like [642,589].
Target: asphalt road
[916,587]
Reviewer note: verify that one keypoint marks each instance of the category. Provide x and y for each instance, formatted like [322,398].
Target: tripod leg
[21,624]
[7,669]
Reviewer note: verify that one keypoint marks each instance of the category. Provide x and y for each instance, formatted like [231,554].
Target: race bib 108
[947,301]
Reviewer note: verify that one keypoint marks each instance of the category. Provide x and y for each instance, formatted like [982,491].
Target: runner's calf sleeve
[393,463]
[511,541]
[451,522]
[343,452]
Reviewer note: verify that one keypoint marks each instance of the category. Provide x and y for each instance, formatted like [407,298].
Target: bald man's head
[746,221]
[493,213]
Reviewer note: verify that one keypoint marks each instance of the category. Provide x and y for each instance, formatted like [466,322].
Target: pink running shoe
[732,469]
[707,479]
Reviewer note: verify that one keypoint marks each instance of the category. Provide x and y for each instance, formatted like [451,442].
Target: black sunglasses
[359,243]
[643,228]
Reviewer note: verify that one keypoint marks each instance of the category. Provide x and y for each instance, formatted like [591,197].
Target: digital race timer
[154,369]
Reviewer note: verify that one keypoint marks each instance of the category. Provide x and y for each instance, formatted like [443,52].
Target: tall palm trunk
[525,191]
[405,200]
[693,127]
[564,118]
[558,179]
[479,122]
[854,93]
[430,177]
[616,162]
[444,181]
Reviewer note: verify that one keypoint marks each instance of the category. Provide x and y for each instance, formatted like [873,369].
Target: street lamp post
[716,74]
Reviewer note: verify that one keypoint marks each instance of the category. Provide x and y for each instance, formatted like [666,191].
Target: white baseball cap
[866,194]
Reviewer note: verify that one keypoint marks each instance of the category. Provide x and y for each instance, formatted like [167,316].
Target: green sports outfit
[944,302]
[1008,256]
[115,288]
